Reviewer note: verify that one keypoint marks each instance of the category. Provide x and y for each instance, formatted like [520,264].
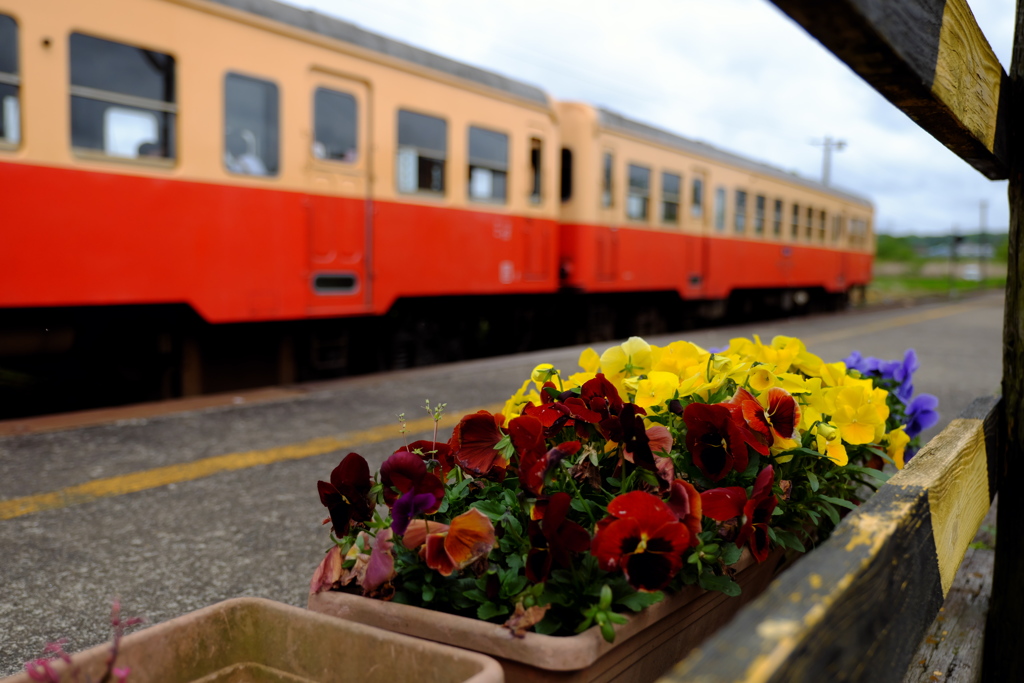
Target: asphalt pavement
[147,509]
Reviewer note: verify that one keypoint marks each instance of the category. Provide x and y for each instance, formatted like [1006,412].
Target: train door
[338,203]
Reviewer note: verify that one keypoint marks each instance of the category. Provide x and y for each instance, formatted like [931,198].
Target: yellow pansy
[514,405]
[761,378]
[833,374]
[629,359]
[578,379]
[543,373]
[858,414]
[678,357]
[656,389]
[590,361]
[896,445]
[829,442]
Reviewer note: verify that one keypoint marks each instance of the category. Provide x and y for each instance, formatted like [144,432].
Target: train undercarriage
[63,359]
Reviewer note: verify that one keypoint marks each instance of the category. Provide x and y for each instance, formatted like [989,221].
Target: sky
[738,74]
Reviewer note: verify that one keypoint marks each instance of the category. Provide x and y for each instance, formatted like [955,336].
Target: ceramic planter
[644,648]
[256,640]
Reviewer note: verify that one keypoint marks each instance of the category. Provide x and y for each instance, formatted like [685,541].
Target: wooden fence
[856,609]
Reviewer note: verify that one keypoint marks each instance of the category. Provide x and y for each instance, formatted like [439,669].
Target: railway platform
[177,505]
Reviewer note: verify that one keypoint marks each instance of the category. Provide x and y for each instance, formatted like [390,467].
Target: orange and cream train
[184,180]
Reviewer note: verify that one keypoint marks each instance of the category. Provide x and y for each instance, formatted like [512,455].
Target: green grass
[901,286]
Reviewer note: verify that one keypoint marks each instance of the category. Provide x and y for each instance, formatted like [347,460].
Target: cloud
[738,74]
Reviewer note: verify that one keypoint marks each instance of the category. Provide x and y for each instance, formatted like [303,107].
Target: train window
[10,109]
[335,124]
[809,235]
[536,148]
[606,181]
[822,222]
[740,219]
[422,149]
[566,174]
[697,199]
[720,209]
[639,192]
[837,228]
[759,209]
[670,186]
[795,229]
[488,164]
[122,99]
[251,123]
[777,220]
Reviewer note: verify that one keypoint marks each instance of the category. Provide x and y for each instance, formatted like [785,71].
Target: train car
[203,195]
[181,164]
[645,210]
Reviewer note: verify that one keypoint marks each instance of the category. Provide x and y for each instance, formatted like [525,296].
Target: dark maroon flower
[601,396]
[554,538]
[643,538]
[437,451]
[409,490]
[346,497]
[714,440]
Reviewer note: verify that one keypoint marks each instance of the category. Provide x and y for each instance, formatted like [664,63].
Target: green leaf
[547,626]
[608,632]
[731,553]
[476,594]
[790,540]
[812,479]
[711,582]
[428,592]
[839,501]
[489,610]
[494,510]
[878,475]
[638,600]
[829,511]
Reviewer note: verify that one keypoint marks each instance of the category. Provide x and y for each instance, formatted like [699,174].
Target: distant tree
[890,248]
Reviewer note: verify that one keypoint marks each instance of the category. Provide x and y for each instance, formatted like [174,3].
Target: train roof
[620,123]
[350,33]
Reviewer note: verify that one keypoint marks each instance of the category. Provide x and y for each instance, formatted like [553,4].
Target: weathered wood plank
[1004,633]
[930,59]
[952,647]
[868,593]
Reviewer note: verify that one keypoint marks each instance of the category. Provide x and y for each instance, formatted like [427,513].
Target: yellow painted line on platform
[172,474]
[891,323]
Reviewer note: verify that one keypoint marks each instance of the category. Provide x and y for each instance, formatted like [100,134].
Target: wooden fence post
[1004,632]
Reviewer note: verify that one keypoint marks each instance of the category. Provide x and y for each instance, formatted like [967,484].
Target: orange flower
[473,445]
[448,548]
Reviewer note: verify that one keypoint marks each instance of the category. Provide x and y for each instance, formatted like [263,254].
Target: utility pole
[826,164]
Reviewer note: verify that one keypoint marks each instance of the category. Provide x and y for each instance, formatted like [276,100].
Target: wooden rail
[927,57]
[856,608]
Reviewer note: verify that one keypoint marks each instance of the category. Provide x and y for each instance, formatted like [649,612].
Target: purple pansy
[921,414]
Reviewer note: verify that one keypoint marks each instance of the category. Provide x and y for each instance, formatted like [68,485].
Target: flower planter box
[646,647]
[256,640]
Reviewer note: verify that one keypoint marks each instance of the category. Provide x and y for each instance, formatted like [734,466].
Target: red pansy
[643,538]
[714,440]
[473,445]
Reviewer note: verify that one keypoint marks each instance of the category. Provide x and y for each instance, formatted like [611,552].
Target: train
[201,195]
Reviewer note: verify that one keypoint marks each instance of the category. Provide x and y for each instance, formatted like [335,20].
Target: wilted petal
[524,618]
[435,555]
[328,572]
[381,567]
